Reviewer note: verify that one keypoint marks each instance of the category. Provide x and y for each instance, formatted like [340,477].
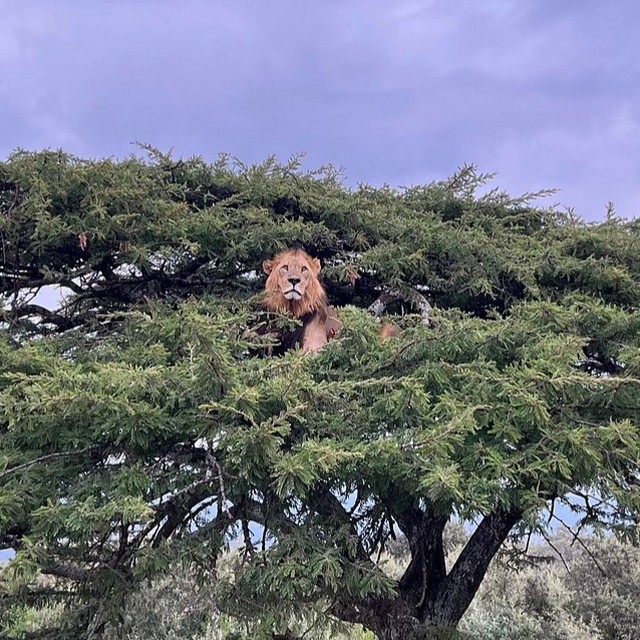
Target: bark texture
[430,602]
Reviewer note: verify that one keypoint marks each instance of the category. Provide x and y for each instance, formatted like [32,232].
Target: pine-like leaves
[141,426]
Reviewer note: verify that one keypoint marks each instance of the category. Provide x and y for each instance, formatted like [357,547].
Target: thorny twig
[213,464]
[576,538]
[559,554]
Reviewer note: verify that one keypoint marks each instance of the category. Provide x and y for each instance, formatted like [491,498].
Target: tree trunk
[388,618]
[392,619]
[447,604]
[397,630]
[430,603]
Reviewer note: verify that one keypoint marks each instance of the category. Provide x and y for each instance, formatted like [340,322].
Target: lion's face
[291,272]
[293,283]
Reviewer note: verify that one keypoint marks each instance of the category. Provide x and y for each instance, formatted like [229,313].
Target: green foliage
[140,427]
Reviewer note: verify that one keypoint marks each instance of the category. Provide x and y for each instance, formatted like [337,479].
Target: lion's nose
[293,280]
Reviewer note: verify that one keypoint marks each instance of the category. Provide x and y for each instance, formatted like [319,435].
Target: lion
[293,288]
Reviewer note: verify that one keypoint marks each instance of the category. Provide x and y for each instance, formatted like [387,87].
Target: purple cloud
[544,93]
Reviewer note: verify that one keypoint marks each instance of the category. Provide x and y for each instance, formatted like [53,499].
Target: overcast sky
[546,93]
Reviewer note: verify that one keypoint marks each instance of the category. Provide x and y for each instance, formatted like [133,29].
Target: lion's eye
[285,267]
[304,269]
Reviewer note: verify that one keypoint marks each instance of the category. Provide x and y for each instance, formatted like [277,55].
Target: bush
[532,604]
[612,599]
[174,607]
[588,602]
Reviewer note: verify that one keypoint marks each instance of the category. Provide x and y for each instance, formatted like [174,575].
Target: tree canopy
[141,426]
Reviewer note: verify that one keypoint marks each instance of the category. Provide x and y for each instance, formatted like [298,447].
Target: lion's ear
[315,266]
[267,265]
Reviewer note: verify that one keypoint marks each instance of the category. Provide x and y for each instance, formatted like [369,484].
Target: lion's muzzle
[292,294]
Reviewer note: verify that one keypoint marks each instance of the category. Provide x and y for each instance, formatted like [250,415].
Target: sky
[544,93]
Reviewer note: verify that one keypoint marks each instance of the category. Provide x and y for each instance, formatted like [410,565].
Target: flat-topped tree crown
[139,430]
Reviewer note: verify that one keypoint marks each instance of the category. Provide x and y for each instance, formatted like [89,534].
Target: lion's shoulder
[320,329]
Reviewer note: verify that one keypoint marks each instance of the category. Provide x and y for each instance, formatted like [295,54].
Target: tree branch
[460,586]
[48,457]
[387,297]
[67,571]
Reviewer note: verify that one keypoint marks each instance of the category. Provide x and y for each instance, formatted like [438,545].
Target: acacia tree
[141,426]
